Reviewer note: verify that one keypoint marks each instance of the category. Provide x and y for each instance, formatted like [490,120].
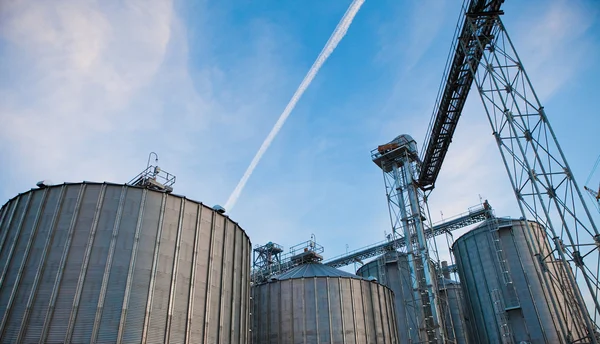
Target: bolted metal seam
[132,261]
[339,285]
[84,265]
[34,228]
[38,274]
[327,280]
[241,295]
[190,312]
[13,209]
[221,284]
[14,242]
[108,266]
[3,210]
[316,310]
[61,266]
[232,288]
[291,283]
[208,280]
[175,267]
[246,291]
[154,268]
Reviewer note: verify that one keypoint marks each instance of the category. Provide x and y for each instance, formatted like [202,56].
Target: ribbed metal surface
[396,276]
[108,263]
[320,309]
[456,322]
[494,310]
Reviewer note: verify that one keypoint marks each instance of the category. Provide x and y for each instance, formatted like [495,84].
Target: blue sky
[88,89]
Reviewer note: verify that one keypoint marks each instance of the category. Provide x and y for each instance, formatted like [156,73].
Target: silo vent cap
[219,209]
[43,184]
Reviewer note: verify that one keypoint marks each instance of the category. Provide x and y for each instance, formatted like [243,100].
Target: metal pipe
[149,156]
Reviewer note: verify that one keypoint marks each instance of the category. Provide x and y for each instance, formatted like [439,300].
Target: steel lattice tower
[400,165]
[539,173]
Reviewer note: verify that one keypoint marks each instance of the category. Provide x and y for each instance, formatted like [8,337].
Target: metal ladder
[513,299]
[501,317]
[381,270]
[496,294]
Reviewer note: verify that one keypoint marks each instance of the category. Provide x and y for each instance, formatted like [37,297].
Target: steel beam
[475,215]
[541,178]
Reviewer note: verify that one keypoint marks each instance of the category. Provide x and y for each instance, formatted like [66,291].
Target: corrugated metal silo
[518,311]
[393,270]
[315,303]
[108,263]
[457,326]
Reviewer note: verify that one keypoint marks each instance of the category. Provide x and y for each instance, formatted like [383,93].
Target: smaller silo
[453,308]
[507,300]
[315,303]
[393,270]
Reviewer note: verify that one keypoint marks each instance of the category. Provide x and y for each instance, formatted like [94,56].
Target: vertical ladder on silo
[513,300]
[381,270]
[497,296]
[501,317]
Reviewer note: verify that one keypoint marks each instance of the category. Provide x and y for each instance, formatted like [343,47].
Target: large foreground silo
[108,263]
[501,278]
[315,303]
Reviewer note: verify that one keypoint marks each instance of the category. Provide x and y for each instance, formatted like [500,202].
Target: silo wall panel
[473,263]
[93,267]
[323,310]
[140,269]
[457,324]
[162,273]
[15,256]
[66,207]
[119,269]
[107,263]
[397,278]
[201,290]
[531,316]
[29,269]
[72,263]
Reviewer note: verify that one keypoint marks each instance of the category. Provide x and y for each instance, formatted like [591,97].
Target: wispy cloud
[555,42]
[79,67]
[89,88]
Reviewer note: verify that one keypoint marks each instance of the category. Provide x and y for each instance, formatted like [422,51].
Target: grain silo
[506,299]
[393,270]
[454,310]
[108,263]
[315,303]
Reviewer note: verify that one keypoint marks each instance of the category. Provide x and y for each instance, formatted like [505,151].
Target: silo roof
[315,270]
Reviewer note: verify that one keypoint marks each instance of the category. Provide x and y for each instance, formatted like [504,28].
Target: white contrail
[334,39]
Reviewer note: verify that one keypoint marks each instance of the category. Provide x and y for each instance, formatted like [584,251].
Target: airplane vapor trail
[332,42]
